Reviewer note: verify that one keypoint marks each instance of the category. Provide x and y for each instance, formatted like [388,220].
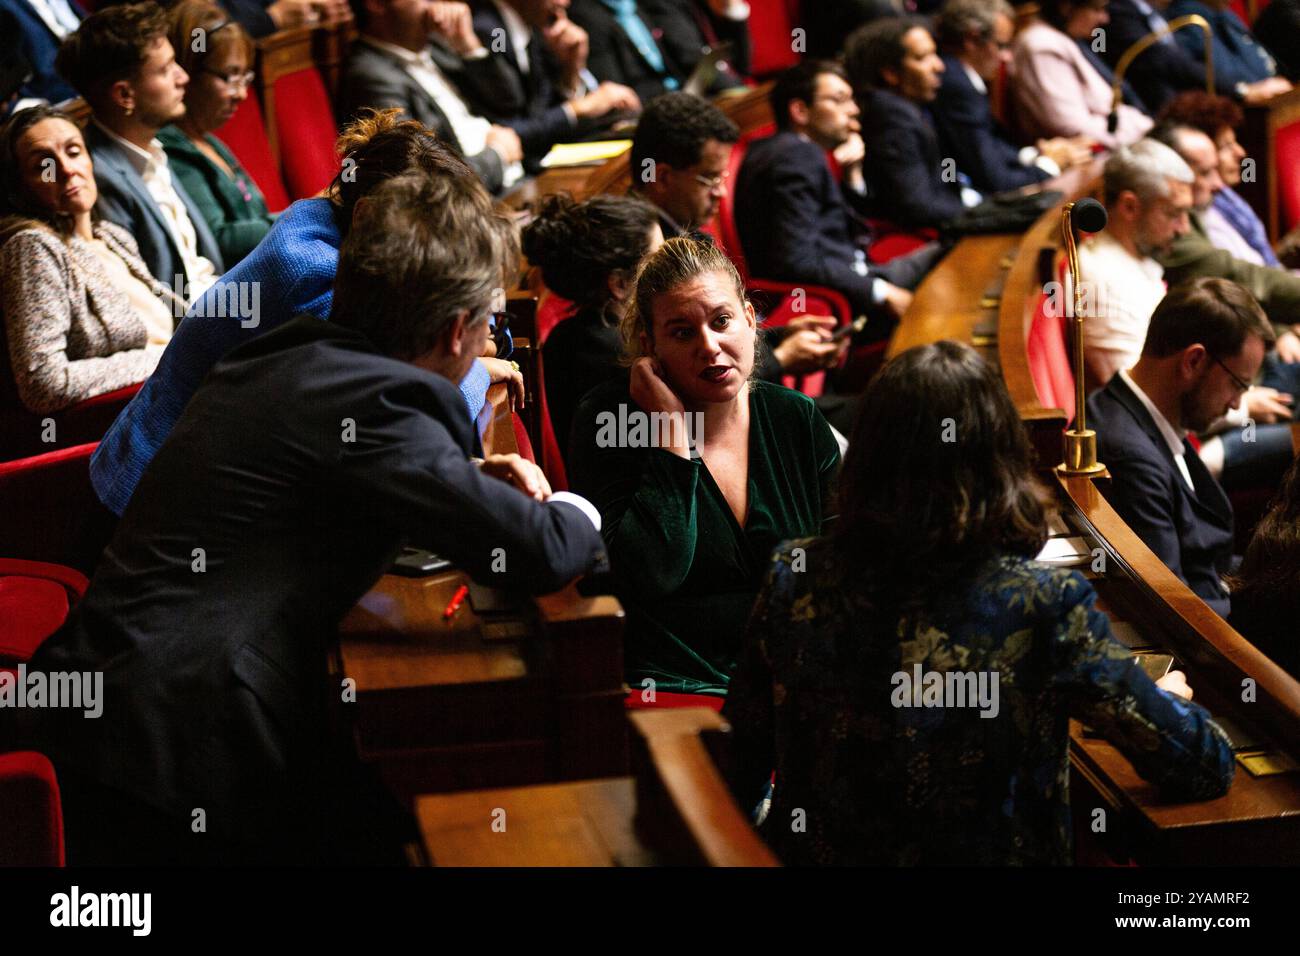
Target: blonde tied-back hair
[678,260]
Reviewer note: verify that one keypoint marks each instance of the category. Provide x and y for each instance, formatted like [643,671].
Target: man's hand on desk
[897,299]
[1261,91]
[808,347]
[1176,683]
[499,370]
[519,472]
[1288,347]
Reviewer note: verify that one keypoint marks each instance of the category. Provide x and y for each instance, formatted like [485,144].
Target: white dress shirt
[152,166]
[471,131]
[58,15]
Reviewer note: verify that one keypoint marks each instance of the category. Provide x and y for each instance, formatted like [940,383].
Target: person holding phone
[697,469]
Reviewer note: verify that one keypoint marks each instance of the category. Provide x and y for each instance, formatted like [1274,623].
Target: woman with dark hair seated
[83,315]
[698,471]
[1266,588]
[911,674]
[289,274]
[220,72]
[588,252]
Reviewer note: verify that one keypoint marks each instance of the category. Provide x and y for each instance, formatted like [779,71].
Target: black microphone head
[1112,121]
[1088,215]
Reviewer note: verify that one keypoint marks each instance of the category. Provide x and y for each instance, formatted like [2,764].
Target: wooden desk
[675,811]
[589,823]
[446,705]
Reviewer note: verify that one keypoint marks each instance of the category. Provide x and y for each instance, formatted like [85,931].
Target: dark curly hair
[110,45]
[674,128]
[1201,110]
[938,411]
[578,245]
[876,47]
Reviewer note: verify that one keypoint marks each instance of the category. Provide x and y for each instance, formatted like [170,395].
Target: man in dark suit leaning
[549,95]
[1206,341]
[309,456]
[424,57]
[975,37]
[796,223]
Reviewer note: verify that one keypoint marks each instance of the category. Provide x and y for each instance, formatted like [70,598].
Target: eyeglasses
[712,182]
[236,81]
[1242,384]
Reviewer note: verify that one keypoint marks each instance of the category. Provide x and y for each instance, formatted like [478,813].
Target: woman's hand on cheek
[650,391]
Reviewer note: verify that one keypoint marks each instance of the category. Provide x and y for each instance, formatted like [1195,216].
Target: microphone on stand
[1131,54]
[1085,215]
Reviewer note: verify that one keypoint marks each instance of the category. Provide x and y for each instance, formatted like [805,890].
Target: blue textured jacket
[878,770]
[1238,56]
[290,272]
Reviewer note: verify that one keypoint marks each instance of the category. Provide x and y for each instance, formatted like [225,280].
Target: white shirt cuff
[579,502]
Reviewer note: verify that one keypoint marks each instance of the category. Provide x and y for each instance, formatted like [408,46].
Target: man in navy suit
[122,63]
[547,96]
[796,223]
[42,26]
[976,38]
[1206,341]
[896,71]
[1167,68]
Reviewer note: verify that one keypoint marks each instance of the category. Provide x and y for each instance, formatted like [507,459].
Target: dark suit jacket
[376,79]
[40,46]
[528,103]
[1238,56]
[215,680]
[1162,71]
[904,163]
[125,200]
[613,56]
[1278,28]
[794,220]
[1190,532]
[969,134]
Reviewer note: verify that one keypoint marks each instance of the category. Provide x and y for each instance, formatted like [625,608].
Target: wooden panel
[1258,136]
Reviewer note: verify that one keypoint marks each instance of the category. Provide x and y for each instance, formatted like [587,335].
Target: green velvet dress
[686,572]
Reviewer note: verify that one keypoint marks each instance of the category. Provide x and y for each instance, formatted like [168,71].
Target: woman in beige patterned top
[82,314]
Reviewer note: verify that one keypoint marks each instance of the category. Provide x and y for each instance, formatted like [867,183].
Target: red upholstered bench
[633,701]
[34,601]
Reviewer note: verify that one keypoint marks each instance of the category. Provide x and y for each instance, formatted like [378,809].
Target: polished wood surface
[588,823]
[482,699]
[675,811]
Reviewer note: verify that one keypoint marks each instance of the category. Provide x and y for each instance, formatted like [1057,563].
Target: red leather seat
[245,134]
[771,29]
[31,814]
[1286,159]
[35,597]
[305,131]
[50,509]
[1049,359]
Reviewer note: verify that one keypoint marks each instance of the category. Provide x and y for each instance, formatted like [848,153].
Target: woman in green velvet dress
[691,513]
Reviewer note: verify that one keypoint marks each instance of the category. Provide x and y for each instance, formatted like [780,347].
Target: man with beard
[1205,342]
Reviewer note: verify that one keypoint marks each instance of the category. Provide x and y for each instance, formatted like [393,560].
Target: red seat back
[771,28]
[1286,158]
[305,132]
[50,510]
[34,601]
[1049,359]
[31,814]
[245,134]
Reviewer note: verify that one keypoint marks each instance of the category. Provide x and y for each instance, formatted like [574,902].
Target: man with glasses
[975,37]
[1206,341]
[796,223]
[121,61]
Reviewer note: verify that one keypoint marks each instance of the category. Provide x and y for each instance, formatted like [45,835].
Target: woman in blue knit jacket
[291,272]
